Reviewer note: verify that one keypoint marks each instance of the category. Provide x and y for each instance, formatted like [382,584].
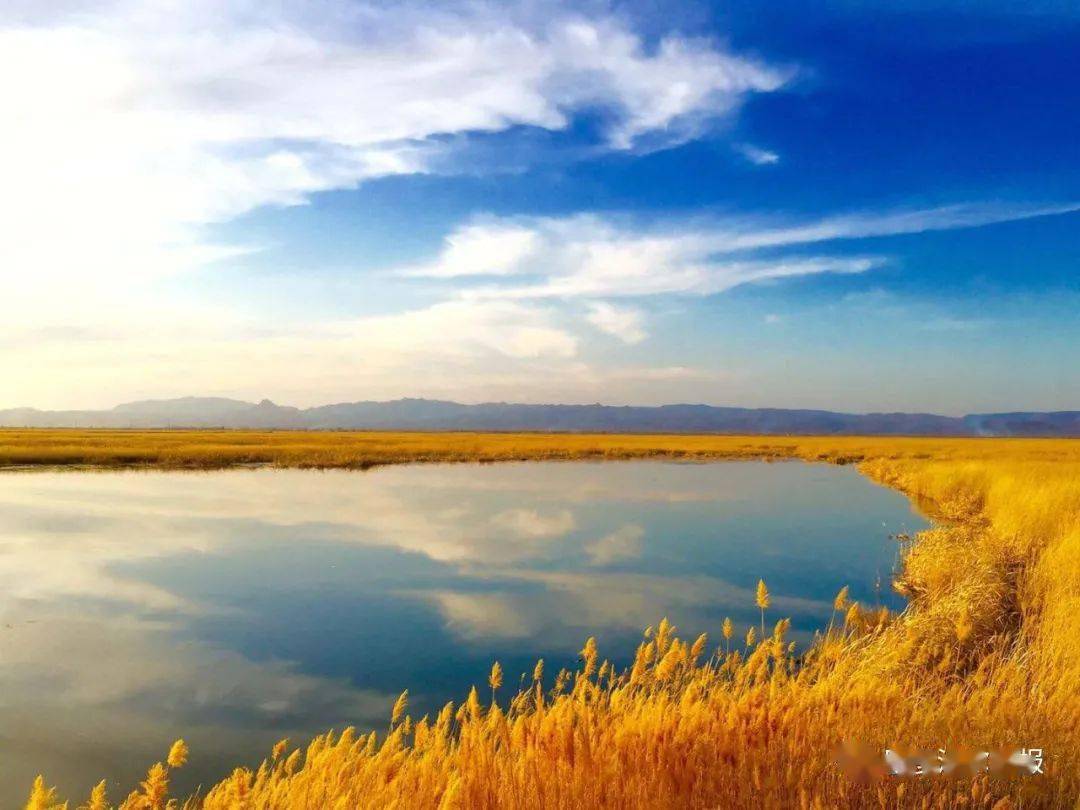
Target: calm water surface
[235,608]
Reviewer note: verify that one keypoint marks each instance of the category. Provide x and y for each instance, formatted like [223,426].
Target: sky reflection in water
[238,607]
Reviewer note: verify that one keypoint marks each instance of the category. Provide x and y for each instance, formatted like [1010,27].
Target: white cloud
[684,81]
[757,155]
[625,323]
[479,250]
[133,123]
[460,328]
[754,234]
[589,257]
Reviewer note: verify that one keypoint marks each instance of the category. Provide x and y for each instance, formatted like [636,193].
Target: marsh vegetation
[219,449]
[985,654]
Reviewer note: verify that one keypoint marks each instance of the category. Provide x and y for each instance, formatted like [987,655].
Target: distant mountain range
[427,414]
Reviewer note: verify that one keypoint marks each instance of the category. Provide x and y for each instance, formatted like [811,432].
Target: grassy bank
[986,655]
[217,449]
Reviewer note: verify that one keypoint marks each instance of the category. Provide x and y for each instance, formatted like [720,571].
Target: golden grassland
[987,653]
[216,449]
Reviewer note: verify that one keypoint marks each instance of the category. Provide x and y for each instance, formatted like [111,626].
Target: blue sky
[790,204]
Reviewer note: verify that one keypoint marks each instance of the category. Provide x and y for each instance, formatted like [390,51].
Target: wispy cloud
[624,323]
[589,256]
[146,119]
[866,224]
[480,250]
[757,155]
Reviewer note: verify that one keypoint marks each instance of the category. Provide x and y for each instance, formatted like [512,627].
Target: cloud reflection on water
[237,607]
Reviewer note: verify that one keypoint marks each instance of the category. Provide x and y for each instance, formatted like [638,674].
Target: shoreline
[85,450]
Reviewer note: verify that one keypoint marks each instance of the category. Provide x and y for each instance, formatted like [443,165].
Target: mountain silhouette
[429,414]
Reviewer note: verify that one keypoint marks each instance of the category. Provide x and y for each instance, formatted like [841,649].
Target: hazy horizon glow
[541,202]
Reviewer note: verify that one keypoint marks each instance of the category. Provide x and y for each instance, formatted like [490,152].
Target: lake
[235,608]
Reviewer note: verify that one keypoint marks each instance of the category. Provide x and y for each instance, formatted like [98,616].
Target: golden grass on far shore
[216,449]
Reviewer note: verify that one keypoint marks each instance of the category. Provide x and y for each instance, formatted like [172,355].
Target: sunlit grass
[215,449]
[987,654]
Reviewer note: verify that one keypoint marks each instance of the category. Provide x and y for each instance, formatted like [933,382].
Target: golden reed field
[987,654]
